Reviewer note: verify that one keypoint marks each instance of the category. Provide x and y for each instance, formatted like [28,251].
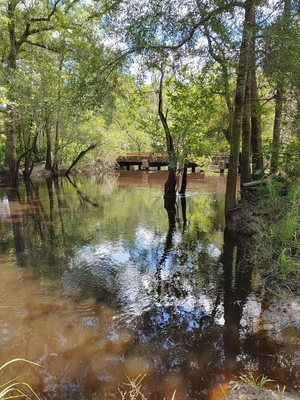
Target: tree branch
[162,116]
[80,155]
[28,32]
[41,46]
[201,22]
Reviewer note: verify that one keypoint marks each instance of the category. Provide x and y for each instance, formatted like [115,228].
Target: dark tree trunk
[183,180]
[10,151]
[256,141]
[277,130]
[48,163]
[29,157]
[79,157]
[18,36]
[246,137]
[54,168]
[10,129]
[170,185]
[279,99]
[243,67]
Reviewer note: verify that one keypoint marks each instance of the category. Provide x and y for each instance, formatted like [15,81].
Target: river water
[100,285]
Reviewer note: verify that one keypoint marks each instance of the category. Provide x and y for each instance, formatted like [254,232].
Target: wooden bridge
[145,161]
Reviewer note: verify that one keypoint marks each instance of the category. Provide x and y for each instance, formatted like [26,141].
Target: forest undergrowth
[270,214]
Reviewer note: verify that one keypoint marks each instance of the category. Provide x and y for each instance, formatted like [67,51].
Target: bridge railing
[220,158]
[139,156]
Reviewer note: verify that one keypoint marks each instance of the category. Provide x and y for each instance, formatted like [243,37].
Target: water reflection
[115,282]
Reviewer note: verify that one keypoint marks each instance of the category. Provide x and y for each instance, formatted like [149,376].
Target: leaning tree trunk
[170,185]
[79,157]
[231,184]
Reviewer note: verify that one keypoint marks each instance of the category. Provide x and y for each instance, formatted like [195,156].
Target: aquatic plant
[14,389]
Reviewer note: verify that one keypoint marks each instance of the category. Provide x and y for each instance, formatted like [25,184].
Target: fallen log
[259,182]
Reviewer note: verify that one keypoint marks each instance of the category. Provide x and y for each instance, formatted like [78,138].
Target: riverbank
[248,392]
[269,215]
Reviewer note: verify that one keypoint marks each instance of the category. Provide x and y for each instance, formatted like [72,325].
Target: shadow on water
[128,284]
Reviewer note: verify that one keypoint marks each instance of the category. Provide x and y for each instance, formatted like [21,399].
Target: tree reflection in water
[186,341]
[155,267]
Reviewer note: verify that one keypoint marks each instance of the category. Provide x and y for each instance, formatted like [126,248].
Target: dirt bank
[246,392]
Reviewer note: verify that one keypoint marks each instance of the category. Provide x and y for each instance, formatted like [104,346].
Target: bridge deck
[148,160]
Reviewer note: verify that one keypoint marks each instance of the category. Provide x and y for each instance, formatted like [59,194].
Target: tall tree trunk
[246,137]
[231,185]
[256,132]
[18,36]
[54,169]
[10,128]
[277,129]
[279,100]
[170,185]
[10,150]
[48,163]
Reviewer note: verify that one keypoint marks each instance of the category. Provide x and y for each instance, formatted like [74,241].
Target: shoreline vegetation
[270,215]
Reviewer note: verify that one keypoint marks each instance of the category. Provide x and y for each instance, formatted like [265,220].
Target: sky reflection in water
[111,290]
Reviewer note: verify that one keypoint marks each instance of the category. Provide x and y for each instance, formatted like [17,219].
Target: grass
[133,391]
[14,389]
[259,386]
[250,380]
[278,240]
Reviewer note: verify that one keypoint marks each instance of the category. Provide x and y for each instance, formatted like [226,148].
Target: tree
[174,31]
[59,47]
[170,185]
[280,42]
[25,26]
[243,68]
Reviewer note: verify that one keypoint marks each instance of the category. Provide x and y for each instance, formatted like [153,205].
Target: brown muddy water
[100,285]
